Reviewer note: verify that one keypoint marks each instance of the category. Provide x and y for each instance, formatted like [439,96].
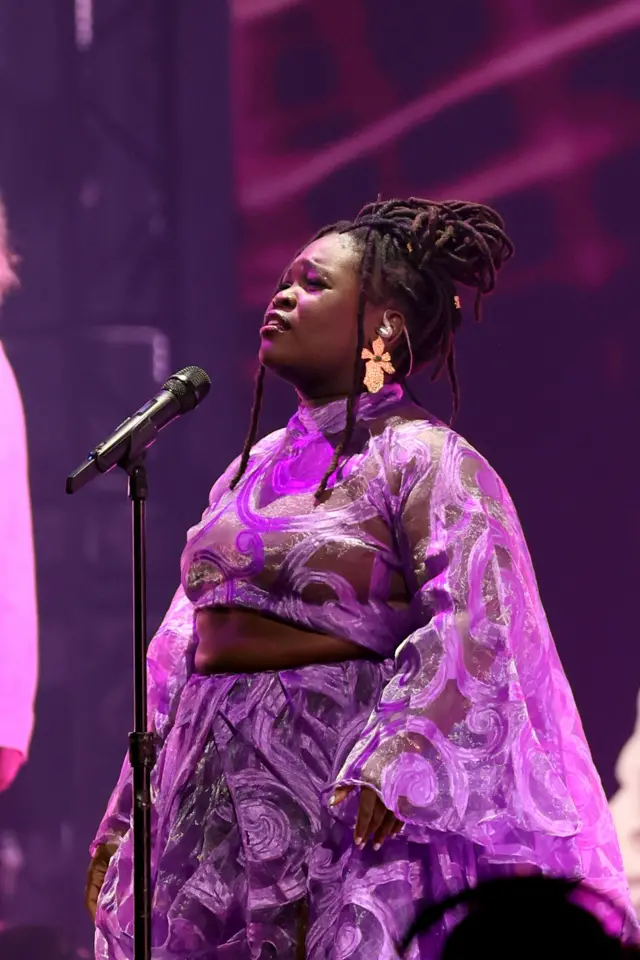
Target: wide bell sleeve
[477,732]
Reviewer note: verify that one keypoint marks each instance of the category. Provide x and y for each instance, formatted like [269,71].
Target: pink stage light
[84,23]
[537,163]
[247,11]
[533,55]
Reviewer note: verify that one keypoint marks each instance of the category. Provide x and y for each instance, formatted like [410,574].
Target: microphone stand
[141,741]
[126,448]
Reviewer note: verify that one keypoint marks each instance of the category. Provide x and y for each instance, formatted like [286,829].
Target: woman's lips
[275,321]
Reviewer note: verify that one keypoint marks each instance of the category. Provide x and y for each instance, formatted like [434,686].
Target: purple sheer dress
[462,720]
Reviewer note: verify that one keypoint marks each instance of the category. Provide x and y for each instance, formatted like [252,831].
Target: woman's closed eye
[308,280]
[315,283]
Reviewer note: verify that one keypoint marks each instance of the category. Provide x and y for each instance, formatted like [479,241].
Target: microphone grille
[189,386]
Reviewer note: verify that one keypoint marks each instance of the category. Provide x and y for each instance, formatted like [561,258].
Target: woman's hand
[374,821]
[96,874]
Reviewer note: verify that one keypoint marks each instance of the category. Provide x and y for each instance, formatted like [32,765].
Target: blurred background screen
[160,163]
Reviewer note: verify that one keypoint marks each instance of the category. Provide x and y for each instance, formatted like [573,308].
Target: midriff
[233,640]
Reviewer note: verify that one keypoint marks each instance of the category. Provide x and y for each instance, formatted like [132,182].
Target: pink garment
[18,608]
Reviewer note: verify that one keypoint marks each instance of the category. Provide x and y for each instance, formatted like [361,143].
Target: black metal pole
[141,742]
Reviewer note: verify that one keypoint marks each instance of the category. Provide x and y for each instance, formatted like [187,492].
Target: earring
[378,363]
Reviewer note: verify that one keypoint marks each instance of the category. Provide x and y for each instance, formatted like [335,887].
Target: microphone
[181,393]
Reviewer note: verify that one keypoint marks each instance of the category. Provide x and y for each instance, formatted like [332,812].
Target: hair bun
[466,240]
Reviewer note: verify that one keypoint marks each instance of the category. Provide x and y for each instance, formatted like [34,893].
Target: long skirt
[248,859]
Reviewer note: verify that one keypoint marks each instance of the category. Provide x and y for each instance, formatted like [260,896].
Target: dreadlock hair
[414,252]
[8,260]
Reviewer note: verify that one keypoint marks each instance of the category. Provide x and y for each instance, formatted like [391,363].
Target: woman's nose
[284,300]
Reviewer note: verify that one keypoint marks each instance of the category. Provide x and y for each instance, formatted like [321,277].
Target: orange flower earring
[378,363]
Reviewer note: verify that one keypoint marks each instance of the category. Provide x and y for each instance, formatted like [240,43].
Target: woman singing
[358,704]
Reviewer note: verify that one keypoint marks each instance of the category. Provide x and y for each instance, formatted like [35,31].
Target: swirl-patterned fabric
[462,721]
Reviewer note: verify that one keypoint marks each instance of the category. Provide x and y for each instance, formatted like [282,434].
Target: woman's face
[309,336]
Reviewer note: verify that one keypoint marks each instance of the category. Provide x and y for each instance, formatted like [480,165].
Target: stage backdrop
[161,162]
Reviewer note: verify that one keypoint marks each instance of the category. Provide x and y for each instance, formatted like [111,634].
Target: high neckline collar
[331,418]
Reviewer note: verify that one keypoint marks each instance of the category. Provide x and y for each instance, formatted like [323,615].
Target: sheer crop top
[342,566]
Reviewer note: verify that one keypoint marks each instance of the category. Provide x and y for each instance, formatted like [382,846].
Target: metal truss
[122,307]
[121,85]
[87,167]
[120,262]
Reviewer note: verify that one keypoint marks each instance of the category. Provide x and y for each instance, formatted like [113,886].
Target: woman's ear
[392,326]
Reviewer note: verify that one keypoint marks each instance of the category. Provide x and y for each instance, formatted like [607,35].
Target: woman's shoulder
[426,455]
[414,432]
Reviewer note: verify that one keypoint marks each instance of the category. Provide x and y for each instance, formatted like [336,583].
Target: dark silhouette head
[525,917]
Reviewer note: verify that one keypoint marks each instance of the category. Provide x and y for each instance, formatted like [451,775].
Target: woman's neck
[321,399]
[327,414]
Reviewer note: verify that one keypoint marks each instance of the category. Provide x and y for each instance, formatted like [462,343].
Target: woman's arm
[474,732]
